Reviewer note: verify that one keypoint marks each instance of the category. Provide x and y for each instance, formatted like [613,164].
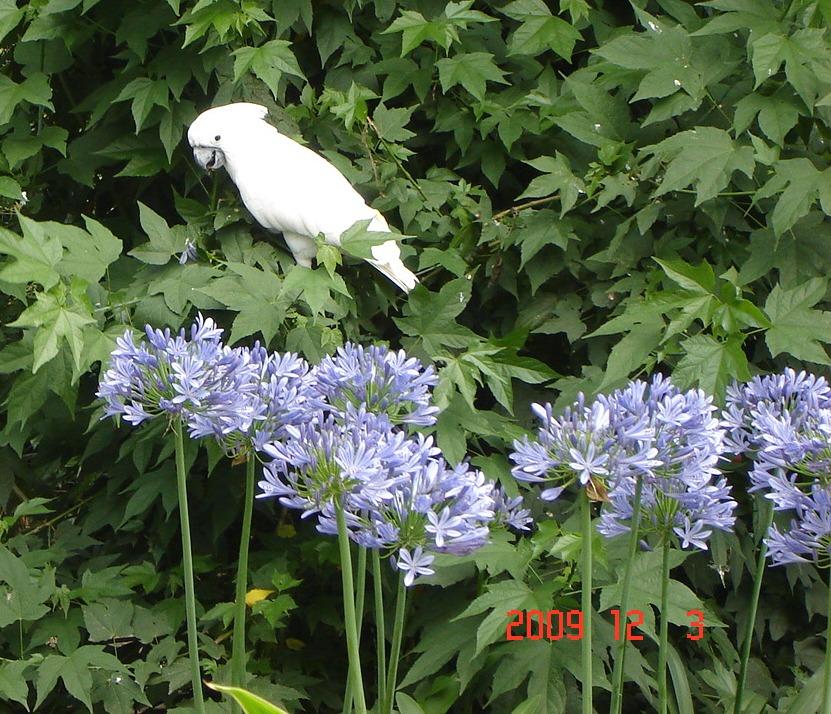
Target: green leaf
[390,123]
[13,686]
[35,255]
[10,16]
[471,70]
[145,94]
[557,177]
[711,364]
[704,157]
[797,329]
[800,184]
[34,89]
[164,242]
[270,61]
[21,598]
[407,705]
[358,242]
[74,672]
[631,353]
[255,295]
[108,619]
[497,601]
[87,254]
[250,703]
[55,322]
[430,316]
[539,33]
[646,591]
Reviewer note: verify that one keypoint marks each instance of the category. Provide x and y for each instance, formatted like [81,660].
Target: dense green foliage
[593,190]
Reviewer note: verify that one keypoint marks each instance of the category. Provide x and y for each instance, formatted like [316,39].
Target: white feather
[290,188]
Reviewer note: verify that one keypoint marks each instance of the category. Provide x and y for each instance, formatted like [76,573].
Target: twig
[513,210]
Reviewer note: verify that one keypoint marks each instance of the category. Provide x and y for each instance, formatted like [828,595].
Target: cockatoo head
[210,132]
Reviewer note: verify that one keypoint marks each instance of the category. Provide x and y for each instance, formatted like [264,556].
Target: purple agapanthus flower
[384,381]
[189,253]
[581,446]
[683,491]
[808,540]
[170,374]
[397,493]
[783,423]
[280,396]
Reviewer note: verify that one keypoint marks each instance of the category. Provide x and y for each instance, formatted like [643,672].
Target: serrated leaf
[430,316]
[108,619]
[163,244]
[471,70]
[21,599]
[145,93]
[539,33]
[88,254]
[13,686]
[704,157]
[55,322]
[74,672]
[710,364]
[270,61]
[797,329]
[35,255]
[800,184]
[557,178]
[34,89]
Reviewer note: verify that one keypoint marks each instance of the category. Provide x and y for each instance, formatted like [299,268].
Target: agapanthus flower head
[280,395]
[170,374]
[798,394]
[384,381]
[325,460]
[435,509]
[808,540]
[582,445]
[682,441]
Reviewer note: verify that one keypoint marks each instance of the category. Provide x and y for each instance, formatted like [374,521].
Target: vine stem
[826,689]
[663,638]
[619,674]
[360,596]
[349,618]
[754,606]
[395,649]
[380,629]
[586,601]
[238,647]
[187,564]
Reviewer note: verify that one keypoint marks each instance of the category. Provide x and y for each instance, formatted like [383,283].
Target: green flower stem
[826,689]
[349,613]
[380,630]
[663,637]
[395,649]
[754,606]
[360,588]
[586,601]
[619,674]
[238,646]
[187,563]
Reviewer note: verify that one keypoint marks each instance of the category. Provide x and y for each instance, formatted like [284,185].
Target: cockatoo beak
[209,159]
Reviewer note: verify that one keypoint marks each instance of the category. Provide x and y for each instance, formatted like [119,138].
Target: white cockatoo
[287,187]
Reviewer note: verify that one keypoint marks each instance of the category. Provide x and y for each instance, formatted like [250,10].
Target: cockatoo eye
[217,137]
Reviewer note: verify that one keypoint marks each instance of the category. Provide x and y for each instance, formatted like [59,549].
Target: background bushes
[594,190]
